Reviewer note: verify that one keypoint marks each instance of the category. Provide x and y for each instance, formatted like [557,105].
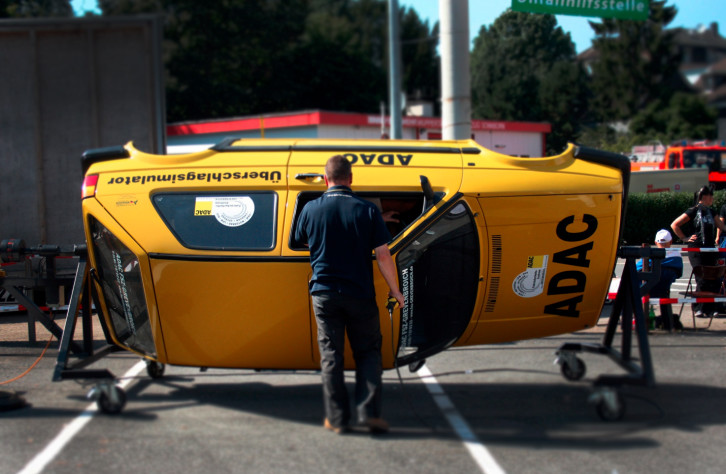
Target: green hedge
[647,213]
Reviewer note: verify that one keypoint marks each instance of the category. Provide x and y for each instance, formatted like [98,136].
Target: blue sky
[691,13]
[81,6]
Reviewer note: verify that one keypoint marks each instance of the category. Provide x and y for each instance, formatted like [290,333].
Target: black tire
[155,369]
[573,373]
[607,413]
[109,407]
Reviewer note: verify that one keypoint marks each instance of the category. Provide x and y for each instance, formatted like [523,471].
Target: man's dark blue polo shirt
[342,230]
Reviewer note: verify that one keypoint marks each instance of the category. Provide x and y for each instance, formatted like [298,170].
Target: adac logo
[386,159]
[127,201]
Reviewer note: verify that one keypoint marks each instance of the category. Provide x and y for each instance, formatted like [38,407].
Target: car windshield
[710,159]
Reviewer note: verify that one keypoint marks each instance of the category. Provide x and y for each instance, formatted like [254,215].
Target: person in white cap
[671,268]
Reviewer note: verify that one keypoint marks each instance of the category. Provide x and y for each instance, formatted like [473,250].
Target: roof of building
[717,68]
[322,117]
[707,37]
[717,95]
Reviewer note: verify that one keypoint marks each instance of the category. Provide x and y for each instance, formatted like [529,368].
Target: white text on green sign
[622,9]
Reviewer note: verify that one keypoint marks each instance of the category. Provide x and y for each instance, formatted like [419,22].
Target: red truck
[687,155]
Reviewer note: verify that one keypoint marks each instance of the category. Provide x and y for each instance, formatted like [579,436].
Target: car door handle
[314,177]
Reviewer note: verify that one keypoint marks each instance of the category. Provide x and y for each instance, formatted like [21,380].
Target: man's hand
[388,270]
[398,296]
[391,216]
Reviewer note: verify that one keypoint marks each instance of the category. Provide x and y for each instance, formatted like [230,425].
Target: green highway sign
[622,9]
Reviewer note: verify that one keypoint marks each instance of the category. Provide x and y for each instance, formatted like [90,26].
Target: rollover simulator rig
[609,402]
[490,248]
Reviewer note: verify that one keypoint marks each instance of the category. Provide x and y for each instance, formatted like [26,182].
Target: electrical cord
[27,371]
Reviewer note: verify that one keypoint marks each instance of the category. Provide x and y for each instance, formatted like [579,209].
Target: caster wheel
[111,400]
[155,369]
[416,366]
[573,369]
[611,407]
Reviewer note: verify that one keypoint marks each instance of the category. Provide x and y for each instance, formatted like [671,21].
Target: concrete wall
[67,86]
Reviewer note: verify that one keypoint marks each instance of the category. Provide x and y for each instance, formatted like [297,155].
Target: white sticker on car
[531,282]
[230,211]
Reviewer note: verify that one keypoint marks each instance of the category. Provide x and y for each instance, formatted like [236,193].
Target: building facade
[510,138]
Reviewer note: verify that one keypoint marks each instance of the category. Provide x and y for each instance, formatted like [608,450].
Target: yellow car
[196,265]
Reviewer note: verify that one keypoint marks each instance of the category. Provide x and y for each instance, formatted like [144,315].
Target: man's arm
[388,270]
[720,225]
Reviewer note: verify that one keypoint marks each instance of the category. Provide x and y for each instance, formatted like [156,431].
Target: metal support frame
[14,286]
[42,277]
[628,304]
[82,298]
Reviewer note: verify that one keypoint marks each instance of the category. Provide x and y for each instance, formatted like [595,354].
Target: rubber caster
[414,367]
[573,370]
[609,404]
[572,367]
[155,369]
[109,398]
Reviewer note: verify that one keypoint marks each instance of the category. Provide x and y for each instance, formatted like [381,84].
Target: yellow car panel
[558,271]
[206,317]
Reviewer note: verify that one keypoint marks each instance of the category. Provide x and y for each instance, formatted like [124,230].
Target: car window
[399,210]
[220,221]
[439,277]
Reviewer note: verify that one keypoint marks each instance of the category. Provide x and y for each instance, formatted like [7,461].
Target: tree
[686,116]
[35,8]
[524,68]
[241,57]
[230,58]
[636,65]
[340,61]
[420,60]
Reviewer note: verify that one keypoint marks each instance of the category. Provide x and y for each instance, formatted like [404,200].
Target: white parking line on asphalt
[43,458]
[478,451]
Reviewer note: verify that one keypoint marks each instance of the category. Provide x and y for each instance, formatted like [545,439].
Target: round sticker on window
[230,211]
[233,211]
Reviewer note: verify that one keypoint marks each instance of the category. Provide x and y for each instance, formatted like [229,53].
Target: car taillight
[89,186]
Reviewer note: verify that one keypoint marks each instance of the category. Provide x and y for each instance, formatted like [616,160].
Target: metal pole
[394,46]
[455,83]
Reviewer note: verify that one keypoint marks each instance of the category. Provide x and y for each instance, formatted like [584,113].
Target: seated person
[671,268]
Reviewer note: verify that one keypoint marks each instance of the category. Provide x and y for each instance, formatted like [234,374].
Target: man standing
[341,230]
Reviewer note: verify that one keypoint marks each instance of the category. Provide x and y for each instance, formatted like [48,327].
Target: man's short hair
[337,168]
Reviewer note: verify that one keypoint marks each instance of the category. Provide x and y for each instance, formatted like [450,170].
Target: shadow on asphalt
[538,415]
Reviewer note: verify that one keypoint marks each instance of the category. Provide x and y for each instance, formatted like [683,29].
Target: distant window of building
[699,55]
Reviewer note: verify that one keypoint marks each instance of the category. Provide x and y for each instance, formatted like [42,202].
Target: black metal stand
[109,397]
[40,274]
[83,296]
[628,304]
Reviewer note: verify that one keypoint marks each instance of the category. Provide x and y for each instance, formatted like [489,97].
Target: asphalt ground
[499,408]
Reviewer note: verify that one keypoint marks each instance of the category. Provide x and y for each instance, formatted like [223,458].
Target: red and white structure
[509,138]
